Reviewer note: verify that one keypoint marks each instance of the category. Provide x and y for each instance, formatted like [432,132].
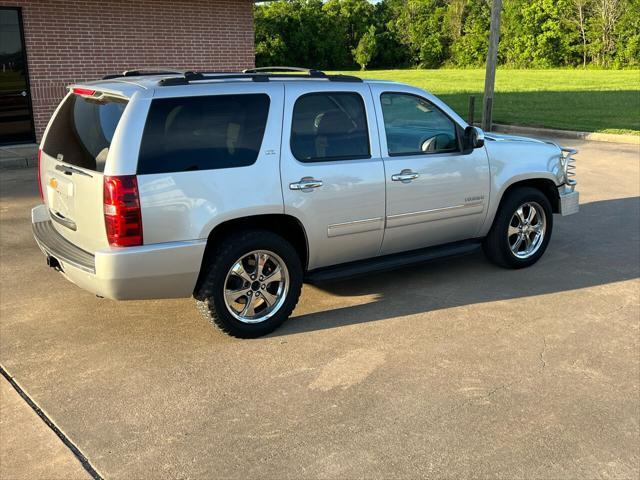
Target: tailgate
[74,155]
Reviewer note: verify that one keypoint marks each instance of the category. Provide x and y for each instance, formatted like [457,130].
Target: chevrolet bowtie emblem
[53,182]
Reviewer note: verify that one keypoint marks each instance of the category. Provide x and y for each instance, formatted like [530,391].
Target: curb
[14,163]
[18,156]
[549,132]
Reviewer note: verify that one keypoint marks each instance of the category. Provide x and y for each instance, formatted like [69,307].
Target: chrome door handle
[305,183]
[405,176]
[66,222]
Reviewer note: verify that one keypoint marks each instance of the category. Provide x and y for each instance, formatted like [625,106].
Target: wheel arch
[287,226]
[545,185]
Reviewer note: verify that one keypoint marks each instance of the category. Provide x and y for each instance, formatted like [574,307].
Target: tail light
[122,215]
[40,175]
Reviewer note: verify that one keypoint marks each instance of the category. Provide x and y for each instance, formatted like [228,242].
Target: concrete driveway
[452,369]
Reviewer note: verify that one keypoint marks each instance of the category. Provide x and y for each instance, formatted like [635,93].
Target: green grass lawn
[583,100]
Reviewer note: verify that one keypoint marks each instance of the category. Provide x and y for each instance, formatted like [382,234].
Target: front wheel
[253,284]
[521,230]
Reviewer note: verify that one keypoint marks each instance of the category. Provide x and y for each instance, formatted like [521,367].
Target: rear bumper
[569,201]
[165,270]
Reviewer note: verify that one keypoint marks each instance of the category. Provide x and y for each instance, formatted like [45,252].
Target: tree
[455,17]
[391,52]
[628,36]
[366,48]
[420,25]
[537,34]
[432,33]
[350,17]
[603,28]
[299,33]
[581,8]
[469,48]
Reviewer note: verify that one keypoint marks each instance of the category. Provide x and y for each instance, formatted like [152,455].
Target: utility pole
[492,59]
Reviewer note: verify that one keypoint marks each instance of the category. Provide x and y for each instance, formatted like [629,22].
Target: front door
[435,192]
[331,170]
[16,120]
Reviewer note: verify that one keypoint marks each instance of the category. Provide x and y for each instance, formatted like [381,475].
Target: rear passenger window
[329,126]
[203,133]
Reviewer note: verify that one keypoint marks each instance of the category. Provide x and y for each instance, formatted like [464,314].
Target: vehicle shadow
[598,246]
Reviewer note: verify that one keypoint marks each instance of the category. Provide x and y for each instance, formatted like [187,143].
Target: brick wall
[69,41]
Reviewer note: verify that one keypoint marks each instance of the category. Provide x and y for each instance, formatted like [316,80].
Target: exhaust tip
[54,263]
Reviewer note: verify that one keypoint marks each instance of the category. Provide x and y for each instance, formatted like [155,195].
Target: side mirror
[474,137]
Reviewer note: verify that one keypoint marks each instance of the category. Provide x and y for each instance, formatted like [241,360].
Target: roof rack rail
[277,69]
[139,72]
[260,74]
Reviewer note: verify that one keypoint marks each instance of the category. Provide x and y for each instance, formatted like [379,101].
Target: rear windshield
[81,133]
[203,133]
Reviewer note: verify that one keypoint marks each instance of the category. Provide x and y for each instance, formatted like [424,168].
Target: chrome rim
[526,230]
[256,286]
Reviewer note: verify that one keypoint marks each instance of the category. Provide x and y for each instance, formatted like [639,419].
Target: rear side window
[203,133]
[82,131]
[329,126]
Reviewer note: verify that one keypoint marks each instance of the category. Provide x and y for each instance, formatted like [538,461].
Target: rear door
[73,159]
[332,173]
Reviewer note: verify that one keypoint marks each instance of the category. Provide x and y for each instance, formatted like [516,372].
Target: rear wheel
[521,230]
[252,285]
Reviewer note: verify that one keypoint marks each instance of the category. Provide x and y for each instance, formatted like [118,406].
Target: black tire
[210,295]
[496,244]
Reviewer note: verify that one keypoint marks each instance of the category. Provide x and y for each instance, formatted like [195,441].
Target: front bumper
[165,270]
[569,201]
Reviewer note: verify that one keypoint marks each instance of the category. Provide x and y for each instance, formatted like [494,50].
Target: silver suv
[235,188]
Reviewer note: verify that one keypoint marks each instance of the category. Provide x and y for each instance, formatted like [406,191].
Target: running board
[390,262]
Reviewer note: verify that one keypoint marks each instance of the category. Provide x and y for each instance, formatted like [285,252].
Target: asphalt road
[453,369]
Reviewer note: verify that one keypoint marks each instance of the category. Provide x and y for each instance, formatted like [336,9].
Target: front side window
[329,126]
[415,126]
[203,133]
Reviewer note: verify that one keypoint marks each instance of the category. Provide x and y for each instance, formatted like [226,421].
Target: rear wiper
[67,170]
